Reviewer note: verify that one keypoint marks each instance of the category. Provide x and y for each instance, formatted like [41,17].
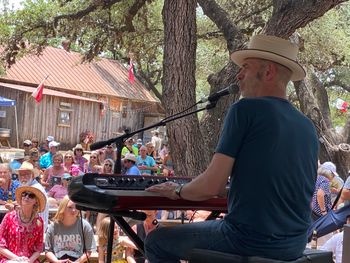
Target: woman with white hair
[22,230]
[321,199]
[7,185]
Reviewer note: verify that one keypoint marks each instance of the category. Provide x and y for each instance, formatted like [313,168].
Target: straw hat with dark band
[274,49]
[38,194]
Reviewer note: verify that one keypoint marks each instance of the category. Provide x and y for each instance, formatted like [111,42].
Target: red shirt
[21,239]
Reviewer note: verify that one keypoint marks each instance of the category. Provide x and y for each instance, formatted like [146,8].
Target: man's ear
[270,71]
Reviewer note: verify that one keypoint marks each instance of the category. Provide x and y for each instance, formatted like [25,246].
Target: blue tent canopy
[7,102]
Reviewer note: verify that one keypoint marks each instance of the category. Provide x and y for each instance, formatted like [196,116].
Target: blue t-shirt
[133,170]
[148,161]
[275,149]
[46,160]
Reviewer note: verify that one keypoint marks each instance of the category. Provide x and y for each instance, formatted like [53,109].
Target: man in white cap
[46,159]
[268,149]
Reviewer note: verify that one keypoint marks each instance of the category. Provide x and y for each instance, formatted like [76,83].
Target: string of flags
[341,105]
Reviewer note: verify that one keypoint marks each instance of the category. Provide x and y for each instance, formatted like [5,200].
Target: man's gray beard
[28,183]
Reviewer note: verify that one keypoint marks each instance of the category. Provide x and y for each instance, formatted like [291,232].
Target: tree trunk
[186,144]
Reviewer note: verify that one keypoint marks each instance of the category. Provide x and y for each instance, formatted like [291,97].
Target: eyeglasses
[71,208]
[29,194]
[67,179]
[107,164]
[93,157]
[26,145]
[68,156]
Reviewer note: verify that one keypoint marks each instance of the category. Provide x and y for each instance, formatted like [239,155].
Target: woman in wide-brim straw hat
[22,230]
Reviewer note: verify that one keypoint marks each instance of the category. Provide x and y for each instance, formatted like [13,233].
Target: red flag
[131,72]
[341,105]
[38,92]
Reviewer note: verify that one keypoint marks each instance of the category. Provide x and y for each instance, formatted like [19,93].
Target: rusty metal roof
[46,91]
[66,72]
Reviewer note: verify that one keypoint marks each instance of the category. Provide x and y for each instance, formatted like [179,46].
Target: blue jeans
[170,244]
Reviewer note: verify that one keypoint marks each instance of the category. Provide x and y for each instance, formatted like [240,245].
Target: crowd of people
[37,179]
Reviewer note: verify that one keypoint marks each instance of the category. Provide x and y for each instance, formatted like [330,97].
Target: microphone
[233,88]
[100,144]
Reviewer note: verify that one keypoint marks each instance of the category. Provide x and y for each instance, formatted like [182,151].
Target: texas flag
[341,105]
[131,72]
[38,92]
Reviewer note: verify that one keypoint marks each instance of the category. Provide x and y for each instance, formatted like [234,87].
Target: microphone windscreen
[98,145]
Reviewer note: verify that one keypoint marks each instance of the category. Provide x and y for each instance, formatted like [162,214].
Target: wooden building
[77,97]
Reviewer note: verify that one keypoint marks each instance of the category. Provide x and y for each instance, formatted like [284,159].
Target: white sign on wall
[2,114]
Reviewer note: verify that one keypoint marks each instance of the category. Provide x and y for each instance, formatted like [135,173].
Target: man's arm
[320,200]
[211,183]
[345,194]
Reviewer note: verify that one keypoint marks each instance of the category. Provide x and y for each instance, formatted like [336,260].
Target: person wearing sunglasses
[93,165]
[78,151]
[59,191]
[22,230]
[108,166]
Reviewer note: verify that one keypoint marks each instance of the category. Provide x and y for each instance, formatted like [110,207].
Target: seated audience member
[46,160]
[335,244]
[119,247]
[143,229]
[145,163]
[110,153]
[22,230]
[138,144]
[108,166]
[59,191]
[321,199]
[53,174]
[79,160]
[168,166]
[27,145]
[68,163]
[34,160]
[151,151]
[45,144]
[26,178]
[93,165]
[129,148]
[7,185]
[164,150]
[35,143]
[64,237]
[129,162]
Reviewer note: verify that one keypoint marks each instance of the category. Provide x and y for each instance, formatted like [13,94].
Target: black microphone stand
[119,141]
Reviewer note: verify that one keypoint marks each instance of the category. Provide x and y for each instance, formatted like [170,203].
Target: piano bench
[209,256]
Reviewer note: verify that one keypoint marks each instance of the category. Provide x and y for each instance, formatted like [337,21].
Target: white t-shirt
[335,244]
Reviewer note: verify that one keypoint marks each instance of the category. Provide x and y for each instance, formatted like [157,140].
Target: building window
[64,117]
